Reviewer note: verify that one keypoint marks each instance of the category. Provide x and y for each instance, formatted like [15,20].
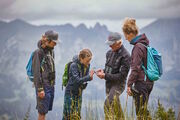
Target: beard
[49,48]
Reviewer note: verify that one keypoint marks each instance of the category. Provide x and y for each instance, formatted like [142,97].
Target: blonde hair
[85,53]
[130,26]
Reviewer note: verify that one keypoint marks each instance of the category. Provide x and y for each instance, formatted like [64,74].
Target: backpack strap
[80,70]
[43,59]
[83,73]
[68,67]
[145,71]
[42,62]
[69,64]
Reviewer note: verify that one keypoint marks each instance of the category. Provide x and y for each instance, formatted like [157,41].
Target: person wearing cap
[43,68]
[115,73]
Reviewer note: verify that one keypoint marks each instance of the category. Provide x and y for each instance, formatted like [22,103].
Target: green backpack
[65,76]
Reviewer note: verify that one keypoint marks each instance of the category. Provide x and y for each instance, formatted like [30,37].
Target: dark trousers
[112,105]
[141,99]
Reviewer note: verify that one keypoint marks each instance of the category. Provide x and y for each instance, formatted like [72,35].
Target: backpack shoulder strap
[80,70]
[43,58]
[142,65]
[69,64]
[84,71]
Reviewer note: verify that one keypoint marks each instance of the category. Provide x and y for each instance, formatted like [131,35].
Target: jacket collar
[134,40]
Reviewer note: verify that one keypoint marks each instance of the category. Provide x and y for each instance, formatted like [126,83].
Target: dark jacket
[78,77]
[117,67]
[43,67]
[138,57]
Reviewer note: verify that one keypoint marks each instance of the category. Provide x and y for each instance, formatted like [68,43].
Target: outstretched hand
[91,74]
[100,73]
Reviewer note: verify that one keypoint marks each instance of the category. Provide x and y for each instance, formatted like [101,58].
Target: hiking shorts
[44,105]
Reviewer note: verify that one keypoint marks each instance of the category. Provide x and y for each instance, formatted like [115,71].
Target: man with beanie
[115,73]
[43,68]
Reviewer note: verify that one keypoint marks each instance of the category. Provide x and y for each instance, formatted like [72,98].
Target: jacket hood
[75,59]
[140,39]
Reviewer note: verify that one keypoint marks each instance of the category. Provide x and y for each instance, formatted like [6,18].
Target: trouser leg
[112,106]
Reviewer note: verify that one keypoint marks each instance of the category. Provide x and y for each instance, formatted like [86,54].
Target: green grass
[164,114]
[93,111]
[158,113]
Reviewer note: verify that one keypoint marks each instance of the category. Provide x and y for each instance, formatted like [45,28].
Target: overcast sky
[88,11]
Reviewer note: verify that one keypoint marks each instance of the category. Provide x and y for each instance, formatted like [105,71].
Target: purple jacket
[138,57]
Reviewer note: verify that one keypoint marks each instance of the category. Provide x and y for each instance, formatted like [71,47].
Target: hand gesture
[100,73]
[99,70]
[91,74]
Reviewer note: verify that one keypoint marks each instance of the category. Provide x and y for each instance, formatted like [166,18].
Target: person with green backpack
[146,67]
[75,78]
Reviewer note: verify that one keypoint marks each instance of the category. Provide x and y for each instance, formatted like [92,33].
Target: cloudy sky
[110,12]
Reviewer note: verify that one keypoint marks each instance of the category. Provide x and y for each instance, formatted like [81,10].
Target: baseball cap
[112,38]
[52,35]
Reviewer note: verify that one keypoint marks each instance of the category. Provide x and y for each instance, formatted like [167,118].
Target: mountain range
[19,38]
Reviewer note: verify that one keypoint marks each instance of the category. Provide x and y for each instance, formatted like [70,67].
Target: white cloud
[88,9]
[75,12]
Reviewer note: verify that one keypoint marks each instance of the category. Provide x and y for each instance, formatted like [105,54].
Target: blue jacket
[78,77]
